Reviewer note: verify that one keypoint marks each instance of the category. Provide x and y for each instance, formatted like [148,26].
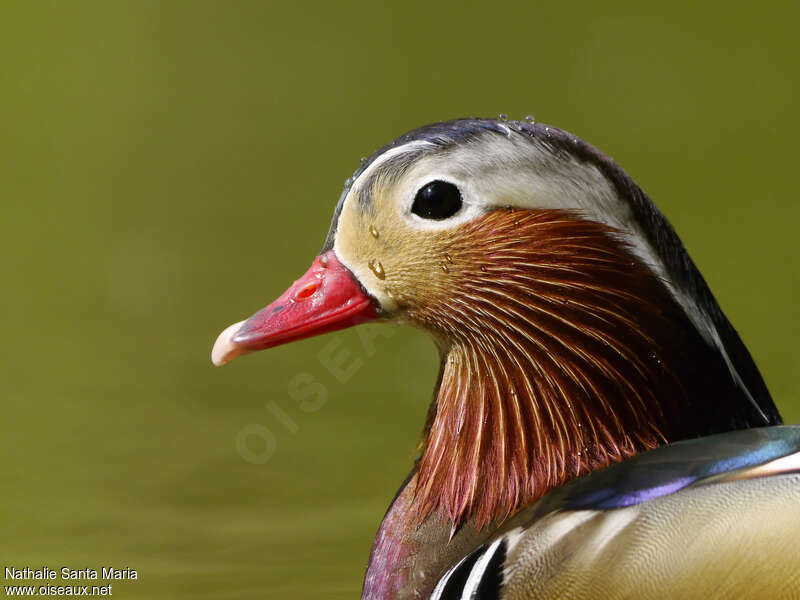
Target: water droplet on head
[377,268]
[363,159]
[530,119]
[503,117]
[373,231]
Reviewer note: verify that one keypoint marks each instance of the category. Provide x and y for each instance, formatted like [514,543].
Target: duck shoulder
[714,517]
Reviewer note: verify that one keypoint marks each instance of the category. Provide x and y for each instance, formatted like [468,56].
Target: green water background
[169,168]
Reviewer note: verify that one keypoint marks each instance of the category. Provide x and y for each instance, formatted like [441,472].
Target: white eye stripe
[367,173]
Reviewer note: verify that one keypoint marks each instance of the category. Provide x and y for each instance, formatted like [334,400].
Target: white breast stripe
[475,576]
[439,589]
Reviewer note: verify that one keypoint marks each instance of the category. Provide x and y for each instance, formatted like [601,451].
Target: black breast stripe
[492,579]
[479,576]
[452,584]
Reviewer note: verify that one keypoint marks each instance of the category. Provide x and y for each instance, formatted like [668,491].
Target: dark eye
[437,200]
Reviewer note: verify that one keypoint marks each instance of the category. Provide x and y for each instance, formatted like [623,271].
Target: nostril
[307,291]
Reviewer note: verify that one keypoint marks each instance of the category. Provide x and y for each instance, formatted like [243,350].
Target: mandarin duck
[598,428]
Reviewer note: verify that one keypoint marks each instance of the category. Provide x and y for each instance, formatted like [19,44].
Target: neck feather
[563,353]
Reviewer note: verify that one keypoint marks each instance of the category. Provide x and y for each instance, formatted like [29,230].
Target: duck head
[573,328]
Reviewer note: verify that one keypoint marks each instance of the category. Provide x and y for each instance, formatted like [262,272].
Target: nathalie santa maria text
[71,574]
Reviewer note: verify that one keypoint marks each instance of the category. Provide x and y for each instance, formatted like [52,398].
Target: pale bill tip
[224,349]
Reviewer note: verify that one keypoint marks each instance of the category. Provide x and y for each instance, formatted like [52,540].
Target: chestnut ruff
[563,354]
